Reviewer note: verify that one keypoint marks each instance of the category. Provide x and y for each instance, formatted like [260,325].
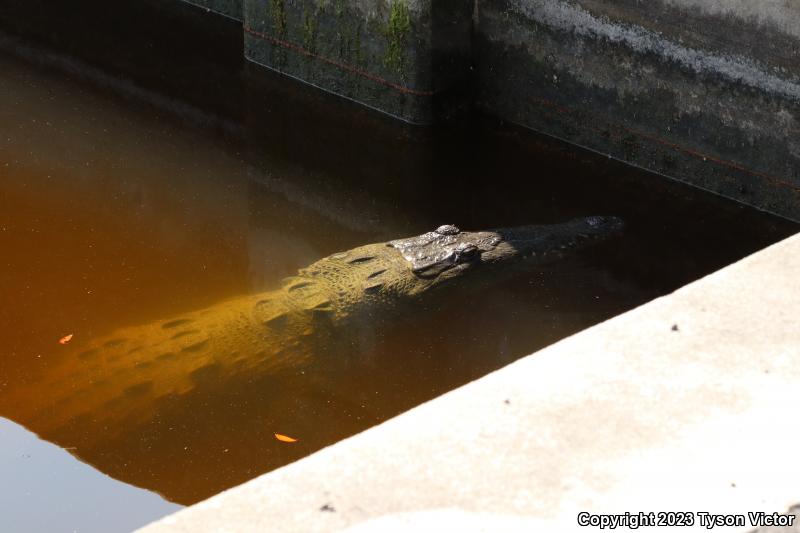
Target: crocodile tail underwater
[124,377]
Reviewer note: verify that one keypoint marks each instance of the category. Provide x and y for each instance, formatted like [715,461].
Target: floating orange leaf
[284,438]
[65,340]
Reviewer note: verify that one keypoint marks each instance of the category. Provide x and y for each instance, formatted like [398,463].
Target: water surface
[54,492]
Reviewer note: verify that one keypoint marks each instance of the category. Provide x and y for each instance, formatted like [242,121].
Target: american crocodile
[121,380]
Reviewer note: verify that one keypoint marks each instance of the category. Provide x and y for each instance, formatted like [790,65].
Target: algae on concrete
[397,28]
[279,17]
[310,28]
[382,54]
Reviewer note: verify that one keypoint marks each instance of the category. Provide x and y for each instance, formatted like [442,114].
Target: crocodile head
[376,279]
[440,257]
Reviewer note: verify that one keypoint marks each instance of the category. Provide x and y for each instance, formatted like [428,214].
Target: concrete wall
[386,54]
[705,92]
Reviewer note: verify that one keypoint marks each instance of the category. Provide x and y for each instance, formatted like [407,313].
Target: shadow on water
[116,213]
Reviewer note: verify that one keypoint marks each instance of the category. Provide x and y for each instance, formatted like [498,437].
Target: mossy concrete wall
[398,56]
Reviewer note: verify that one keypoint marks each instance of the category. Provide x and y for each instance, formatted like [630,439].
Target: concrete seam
[211,10]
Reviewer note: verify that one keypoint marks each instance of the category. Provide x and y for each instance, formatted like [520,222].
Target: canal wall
[409,58]
[706,92]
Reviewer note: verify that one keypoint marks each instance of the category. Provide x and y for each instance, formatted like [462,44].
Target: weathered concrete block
[229,8]
[398,56]
[705,92]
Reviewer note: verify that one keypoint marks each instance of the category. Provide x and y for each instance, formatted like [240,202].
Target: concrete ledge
[684,404]
[229,8]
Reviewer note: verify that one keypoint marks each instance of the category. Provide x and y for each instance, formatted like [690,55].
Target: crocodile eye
[466,252]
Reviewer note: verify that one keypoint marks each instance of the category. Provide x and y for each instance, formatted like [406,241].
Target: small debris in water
[284,438]
[327,508]
[65,339]
[507,401]
[674,327]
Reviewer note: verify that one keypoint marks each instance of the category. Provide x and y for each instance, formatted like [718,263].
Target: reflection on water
[48,491]
[116,220]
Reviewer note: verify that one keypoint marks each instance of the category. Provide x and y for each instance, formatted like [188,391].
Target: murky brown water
[114,214]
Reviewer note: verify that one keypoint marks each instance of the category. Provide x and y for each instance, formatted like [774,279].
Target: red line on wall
[344,66]
[730,164]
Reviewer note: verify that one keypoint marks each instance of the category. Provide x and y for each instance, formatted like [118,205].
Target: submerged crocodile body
[121,380]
